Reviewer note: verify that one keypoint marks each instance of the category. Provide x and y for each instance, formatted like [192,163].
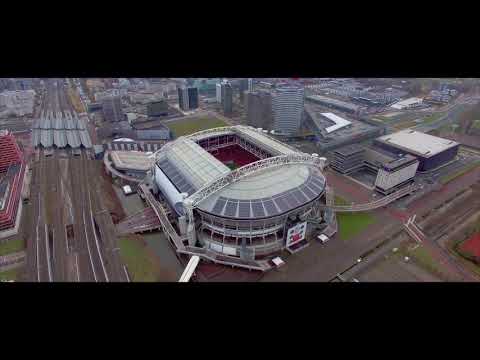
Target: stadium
[238,192]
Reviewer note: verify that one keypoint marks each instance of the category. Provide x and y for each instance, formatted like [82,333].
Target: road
[64,196]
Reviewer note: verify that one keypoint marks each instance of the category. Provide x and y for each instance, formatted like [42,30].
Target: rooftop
[350,150]
[339,122]
[407,102]
[324,99]
[417,143]
[131,160]
[266,194]
[195,164]
[399,162]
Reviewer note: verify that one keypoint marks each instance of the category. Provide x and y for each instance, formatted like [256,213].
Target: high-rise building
[242,87]
[192,97]
[287,105]
[188,98]
[219,93]
[112,109]
[250,85]
[227,98]
[258,106]
[183,98]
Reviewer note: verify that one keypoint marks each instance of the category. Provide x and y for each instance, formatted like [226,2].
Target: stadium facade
[238,192]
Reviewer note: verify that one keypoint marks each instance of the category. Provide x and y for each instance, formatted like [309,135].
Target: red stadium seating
[235,154]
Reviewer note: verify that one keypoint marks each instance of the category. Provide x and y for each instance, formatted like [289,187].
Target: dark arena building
[238,192]
[431,151]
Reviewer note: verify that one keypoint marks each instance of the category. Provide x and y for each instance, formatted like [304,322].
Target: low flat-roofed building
[133,163]
[407,103]
[348,158]
[354,132]
[432,151]
[395,174]
[330,102]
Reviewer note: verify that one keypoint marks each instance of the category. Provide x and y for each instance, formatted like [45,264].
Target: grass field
[340,201]
[421,257]
[405,125]
[431,118]
[232,166]
[140,263]
[12,246]
[189,126]
[351,224]
[9,274]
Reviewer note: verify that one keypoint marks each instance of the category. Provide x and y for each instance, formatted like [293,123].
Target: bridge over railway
[384,201]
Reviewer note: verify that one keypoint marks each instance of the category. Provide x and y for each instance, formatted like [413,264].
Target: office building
[218,88]
[157,108]
[258,106]
[242,88]
[188,98]
[250,85]
[395,174]
[227,98]
[183,98]
[287,105]
[112,109]
[347,159]
[192,97]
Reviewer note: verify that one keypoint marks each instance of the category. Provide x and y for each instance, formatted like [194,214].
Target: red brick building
[12,169]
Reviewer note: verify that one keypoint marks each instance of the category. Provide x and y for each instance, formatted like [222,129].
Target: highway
[71,237]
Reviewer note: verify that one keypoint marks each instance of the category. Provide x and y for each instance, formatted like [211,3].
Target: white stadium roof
[339,122]
[418,143]
[265,141]
[196,164]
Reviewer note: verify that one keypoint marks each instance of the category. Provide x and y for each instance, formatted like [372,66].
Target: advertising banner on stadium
[296,233]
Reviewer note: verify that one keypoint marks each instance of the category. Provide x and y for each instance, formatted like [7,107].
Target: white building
[287,106]
[396,173]
[219,93]
[250,85]
[407,103]
[339,122]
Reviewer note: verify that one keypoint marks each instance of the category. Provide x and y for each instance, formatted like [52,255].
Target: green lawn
[189,126]
[351,224]
[140,263]
[422,257]
[432,117]
[12,246]
[9,274]
[340,201]
[232,166]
